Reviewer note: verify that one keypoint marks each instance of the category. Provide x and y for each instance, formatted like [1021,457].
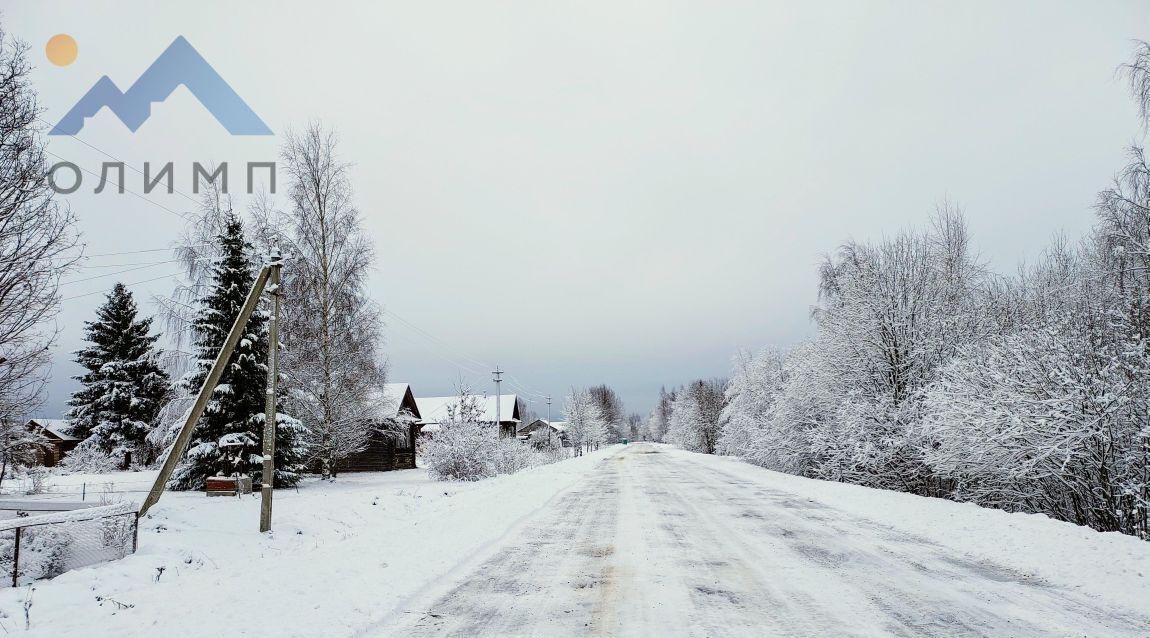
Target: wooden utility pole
[269,471]
[217,370]
[498,423]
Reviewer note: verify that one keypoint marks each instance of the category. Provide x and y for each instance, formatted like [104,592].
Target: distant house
[433,410]
[557,429]
[391,445]
[60,442]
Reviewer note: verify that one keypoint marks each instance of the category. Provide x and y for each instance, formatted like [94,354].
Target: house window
[402,441]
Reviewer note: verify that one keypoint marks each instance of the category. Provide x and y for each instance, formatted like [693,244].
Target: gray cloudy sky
[618,192]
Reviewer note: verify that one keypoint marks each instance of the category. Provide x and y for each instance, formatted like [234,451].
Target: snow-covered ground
[631,540]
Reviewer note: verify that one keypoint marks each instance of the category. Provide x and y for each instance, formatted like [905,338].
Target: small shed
[59,440]
[391,443]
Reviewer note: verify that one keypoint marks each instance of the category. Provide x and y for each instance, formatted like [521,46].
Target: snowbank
[1111,566]
[343,555]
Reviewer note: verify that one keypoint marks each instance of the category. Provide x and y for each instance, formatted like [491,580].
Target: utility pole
[176,453]
[269,470]
[549,428]
[498,417]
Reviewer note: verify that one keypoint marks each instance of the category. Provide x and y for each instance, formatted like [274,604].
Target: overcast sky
[609,192]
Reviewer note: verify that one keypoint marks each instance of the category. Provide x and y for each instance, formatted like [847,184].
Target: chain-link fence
[36,547]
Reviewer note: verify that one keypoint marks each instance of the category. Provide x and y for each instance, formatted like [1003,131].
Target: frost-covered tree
[332,330]
[750,428]
[37,241]
[891,313]
[660,418]
[124,386]
[237,403]
[586,425]
[614,414]
[696,415]
[19,446]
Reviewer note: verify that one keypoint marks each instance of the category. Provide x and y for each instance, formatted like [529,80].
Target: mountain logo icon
[179,64]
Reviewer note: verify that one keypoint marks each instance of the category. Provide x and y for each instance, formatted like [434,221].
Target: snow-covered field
[639,539]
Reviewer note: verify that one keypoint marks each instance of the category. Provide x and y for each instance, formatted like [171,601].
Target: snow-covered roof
[558,426]
[390,399]
[435,409]
[58,427]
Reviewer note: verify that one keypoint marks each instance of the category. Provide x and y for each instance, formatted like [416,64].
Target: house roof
[58,428]
[558,426]
[391,400]
[435,409]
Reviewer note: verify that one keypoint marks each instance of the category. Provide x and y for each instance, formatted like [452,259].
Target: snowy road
[664,544]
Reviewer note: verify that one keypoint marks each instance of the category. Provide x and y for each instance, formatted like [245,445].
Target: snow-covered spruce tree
[332,330]
[237,403]
[124,387]
[196,250]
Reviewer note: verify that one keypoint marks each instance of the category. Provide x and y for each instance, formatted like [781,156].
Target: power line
[134,263]
[146,250]
[513,381]
[119,272]
[126,190]
[432,337]
[107,154]
[136,283]
[441,356]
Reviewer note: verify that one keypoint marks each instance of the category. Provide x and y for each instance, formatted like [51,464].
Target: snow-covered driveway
[658,542]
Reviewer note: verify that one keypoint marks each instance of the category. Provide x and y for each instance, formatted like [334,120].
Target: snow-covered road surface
[658,542]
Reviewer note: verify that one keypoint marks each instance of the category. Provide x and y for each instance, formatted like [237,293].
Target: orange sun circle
[61,49]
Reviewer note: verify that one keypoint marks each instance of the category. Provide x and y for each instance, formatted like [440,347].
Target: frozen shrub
[512,455]
[88,458]
[43,551]
[37,480]
[460,451]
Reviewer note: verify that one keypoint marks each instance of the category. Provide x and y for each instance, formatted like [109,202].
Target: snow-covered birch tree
[332,330]
[38,241]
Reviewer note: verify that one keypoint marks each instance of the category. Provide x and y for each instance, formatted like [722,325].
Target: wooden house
[391,445]
[556,429]
[59,441]
[433,410]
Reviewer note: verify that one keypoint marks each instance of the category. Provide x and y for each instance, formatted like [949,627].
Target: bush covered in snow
[460,451]
[463,449]
[512,455]
[43,551]
[88,458]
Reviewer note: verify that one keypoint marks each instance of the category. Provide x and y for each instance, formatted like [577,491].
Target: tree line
[930,374]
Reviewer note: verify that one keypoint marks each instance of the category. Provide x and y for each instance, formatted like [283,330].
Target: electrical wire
[135,283]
